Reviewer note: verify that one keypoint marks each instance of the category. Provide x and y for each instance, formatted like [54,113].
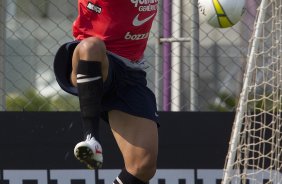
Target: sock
[126,178]
[90,91]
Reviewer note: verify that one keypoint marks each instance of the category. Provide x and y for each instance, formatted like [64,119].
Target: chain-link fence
[193,66]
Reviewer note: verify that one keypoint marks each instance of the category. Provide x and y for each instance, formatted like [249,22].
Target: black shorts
[125,89]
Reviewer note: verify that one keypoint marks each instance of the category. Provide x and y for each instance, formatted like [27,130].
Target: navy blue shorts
[125,89]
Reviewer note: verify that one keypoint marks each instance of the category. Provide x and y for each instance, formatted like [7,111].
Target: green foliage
[34,101]
[65,103]
[255,103]
[265,103]
[29,101]
[225,102]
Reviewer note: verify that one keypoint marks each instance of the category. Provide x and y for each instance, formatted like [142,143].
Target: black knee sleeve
[90,92]
[126,178]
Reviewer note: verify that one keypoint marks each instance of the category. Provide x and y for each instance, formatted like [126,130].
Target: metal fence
[194,67]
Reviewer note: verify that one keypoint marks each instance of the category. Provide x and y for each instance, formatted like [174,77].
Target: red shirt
[124,25]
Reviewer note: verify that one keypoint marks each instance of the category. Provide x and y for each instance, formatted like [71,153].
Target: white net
[254,155]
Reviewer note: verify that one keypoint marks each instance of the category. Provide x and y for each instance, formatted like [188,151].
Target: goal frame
[241,108]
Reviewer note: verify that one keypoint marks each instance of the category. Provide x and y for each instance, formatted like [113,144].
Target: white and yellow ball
[222,13]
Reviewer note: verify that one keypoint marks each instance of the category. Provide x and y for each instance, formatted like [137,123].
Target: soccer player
[104,67]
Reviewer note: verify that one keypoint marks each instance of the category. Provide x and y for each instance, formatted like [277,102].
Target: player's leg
[89,70]
[137,139]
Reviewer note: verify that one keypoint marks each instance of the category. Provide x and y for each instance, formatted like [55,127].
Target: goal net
[255,147]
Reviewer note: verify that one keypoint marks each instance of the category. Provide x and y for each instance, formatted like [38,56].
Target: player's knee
[92,48]
[144,169]
[149,170]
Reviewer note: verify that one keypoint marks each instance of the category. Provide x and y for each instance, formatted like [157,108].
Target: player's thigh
[136,137]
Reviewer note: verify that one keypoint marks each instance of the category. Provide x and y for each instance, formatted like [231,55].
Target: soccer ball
[222,13]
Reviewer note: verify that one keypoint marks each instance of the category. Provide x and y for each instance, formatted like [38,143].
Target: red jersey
[124,25]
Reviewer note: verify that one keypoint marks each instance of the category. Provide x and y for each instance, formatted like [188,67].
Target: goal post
[255,147]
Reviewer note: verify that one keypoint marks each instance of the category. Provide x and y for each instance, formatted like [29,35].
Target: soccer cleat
[89,152]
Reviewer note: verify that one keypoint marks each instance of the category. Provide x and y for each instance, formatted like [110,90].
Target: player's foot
[89,152]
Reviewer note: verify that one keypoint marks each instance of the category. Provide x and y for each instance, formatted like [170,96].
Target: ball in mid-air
[222,13]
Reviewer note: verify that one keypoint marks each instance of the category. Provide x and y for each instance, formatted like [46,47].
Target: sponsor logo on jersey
[145,5]
[130,36]
[138,22]
[143,2]
[148,8]
[94,7]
